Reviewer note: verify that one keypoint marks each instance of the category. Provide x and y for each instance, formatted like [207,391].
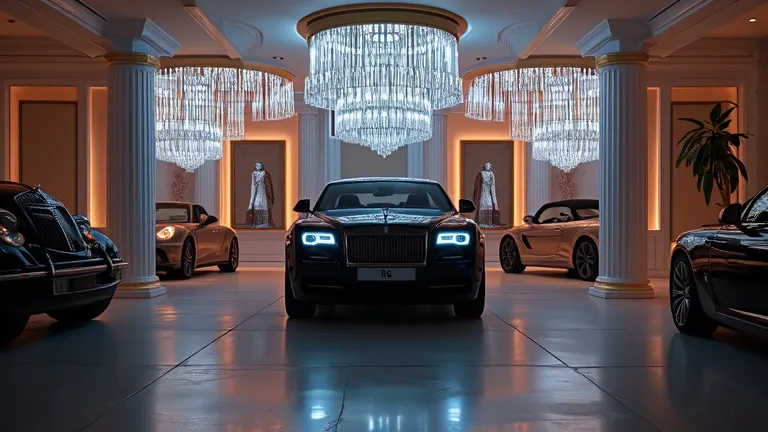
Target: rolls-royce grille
[386,249]
[52,222]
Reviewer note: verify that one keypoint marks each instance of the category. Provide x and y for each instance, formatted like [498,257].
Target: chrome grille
[51,221]
[386,249]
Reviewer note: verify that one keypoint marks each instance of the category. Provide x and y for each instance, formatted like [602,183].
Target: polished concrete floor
[217,354]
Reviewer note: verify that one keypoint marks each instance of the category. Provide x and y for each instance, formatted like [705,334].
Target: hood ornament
[385,212]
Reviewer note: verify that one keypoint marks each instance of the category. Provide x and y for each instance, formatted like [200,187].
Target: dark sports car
[384,240]
[718,274]
[50,261]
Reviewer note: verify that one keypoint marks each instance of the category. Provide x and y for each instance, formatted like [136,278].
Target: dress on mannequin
[259,213]
[484,195]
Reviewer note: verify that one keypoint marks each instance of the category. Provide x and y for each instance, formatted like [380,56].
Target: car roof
[575,203]
[382,179]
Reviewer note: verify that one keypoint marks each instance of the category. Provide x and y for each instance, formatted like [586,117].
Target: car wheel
[11,327]
[685,305]
[187,264]
[80,314]
[294,307]
[509,256]
[234,258]
[586,260]
[472,309]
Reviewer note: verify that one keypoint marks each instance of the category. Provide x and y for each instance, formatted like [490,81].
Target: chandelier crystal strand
[187,130]
[383,81]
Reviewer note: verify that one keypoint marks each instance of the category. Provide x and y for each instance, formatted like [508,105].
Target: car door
[207,236]
[739,262]
[541,239]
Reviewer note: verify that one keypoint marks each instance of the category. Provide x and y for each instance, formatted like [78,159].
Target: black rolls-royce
[50,262]
[719,275]
[384,240]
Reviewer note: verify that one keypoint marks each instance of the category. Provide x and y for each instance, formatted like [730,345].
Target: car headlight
[85,230]
[166,233]
[453,238]
[318,238]
[9,229]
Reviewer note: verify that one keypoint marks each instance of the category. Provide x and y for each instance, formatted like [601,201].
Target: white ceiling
[16,28]
[740,27]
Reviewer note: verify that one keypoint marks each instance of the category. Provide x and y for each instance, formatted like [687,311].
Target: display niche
[258,184]
[487,179]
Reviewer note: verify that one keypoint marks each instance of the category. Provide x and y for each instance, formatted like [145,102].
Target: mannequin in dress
[259,214]
[484,195]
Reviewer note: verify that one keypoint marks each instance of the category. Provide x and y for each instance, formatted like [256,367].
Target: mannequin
[484,195]
[259,214]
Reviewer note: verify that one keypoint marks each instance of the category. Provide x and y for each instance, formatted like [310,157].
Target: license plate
[73,285]
[386,274]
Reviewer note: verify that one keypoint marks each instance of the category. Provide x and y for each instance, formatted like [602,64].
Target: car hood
[414,217]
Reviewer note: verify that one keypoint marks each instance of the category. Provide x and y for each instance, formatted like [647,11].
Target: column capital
[303,108]
[622,58]
[132,58]
[140,36]
[614,36]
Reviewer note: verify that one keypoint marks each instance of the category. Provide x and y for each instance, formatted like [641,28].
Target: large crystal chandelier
[552,103]
[202,102]
[383,68]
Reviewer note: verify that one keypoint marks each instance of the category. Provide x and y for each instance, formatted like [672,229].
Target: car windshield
[384,194]
[170,213]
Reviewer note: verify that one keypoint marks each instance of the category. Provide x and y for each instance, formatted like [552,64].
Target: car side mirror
[302,206]
[208,220]
[731,215]
[528,219]
[466,206]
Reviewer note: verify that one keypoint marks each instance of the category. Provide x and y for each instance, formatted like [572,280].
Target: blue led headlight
[318,238]
[456,238]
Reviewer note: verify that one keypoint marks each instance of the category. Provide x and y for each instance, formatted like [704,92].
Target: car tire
[685,305]
[82,313]
[11,326]
[295,308]
[234,258]
[472,309]
[509,256]
[187,264]
[586,260]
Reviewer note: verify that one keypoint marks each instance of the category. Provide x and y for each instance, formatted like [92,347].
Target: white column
[331,147]
[311,158]
[623,178]
[435,150]
[416,160]
[756,147]
[131,169]
[538,182]
[207,190]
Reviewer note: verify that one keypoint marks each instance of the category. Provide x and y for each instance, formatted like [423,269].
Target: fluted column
[434,152]
[416,160]
[311,170]
[331,147]
[538,182]
[131,169]
[623,177]
[207,190]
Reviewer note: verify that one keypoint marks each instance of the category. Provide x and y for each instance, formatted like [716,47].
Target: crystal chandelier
[383,68]
[202,102]
[552,103]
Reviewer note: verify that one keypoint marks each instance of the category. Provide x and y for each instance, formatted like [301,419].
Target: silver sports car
[562,234]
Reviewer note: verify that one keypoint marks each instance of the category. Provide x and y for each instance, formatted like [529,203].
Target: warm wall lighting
[654,158]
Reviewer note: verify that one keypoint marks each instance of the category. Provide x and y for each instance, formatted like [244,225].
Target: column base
[128,290]
[617,290]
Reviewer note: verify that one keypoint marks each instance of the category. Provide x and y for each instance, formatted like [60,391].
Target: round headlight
[85,230]
[166,233]
[9,229]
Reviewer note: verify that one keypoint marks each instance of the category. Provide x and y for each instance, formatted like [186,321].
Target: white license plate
[386,274]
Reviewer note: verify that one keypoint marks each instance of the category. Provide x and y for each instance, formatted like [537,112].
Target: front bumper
[168,255]
[435,283]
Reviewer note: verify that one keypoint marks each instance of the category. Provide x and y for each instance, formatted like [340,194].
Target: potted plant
[709,149]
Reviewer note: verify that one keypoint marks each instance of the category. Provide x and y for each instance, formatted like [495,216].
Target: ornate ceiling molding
[614,36]
[210,28]
[515,37]
[140,36]
[245,37]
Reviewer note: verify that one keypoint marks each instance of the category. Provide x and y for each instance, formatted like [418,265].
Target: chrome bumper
[64,273]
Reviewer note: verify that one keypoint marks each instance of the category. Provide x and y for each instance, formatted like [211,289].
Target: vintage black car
[384,240]
[719,275]
[50,262]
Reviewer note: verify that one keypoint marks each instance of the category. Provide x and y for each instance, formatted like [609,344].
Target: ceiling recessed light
[752,19]
[11,21]
[277,58]
[481,58]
